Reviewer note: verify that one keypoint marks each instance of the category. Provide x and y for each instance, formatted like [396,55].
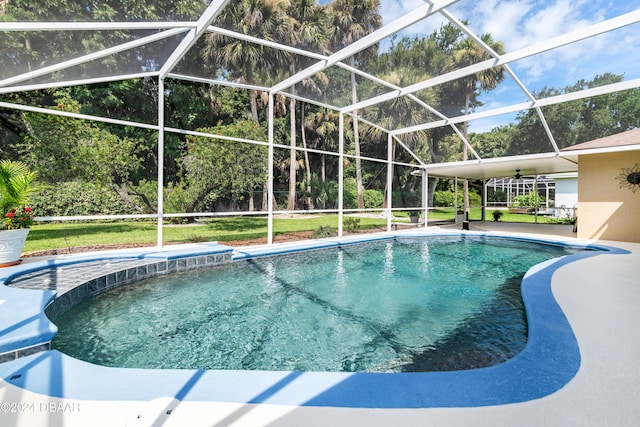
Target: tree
[323,123]
[577,121]
[242,60]
[401,112]
[307,22]
[63,149]
[216,169]
[493,144]
[352,20]
[468,52]
[428,56]
[28,51]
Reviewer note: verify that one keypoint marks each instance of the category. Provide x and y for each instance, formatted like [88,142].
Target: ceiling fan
[518,175]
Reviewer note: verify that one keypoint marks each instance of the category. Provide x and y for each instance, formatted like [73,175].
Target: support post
[425,196]
[484,200]
[160,161]
[389,181]
[535,198]
[340,172]
[270,173]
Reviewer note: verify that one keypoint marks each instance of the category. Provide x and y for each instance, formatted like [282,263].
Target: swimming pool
[401,305]
[549,360]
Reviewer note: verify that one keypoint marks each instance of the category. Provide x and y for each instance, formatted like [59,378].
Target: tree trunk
[465,155]
[253,95]
[386,185]
[265,196]
[291,199]
[307,165]
[356,141]
[433,183]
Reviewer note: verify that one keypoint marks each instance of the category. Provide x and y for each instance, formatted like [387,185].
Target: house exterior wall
[608,210]
[566,199]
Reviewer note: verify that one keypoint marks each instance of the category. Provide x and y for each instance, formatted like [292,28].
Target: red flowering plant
[18,218]
[17,183]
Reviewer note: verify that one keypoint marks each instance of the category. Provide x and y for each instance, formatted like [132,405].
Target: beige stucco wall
[605,209]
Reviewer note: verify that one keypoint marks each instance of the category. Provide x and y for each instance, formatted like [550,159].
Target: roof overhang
[533,164]
[572,153]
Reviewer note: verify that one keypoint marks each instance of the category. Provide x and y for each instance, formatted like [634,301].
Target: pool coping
[548,362]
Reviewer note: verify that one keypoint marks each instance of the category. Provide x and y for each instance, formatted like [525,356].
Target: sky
[520,23]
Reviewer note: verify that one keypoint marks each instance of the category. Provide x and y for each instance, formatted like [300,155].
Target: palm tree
[352,20]
[402,112]
[468,52]
[324,126]
[307,23]
[265,19]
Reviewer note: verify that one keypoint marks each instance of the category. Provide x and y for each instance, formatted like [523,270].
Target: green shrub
[79,198]
[443,199]
[532,199]
[350,223]
[406,199]
[372,198]
[497,196]
[446,199]
[324,231]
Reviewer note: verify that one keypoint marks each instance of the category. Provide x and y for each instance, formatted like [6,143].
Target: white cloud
[394,9]
[391,10]
[501,19]
[520,23]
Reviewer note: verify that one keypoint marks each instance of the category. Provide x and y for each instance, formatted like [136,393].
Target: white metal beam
[91,57]
[209,15]
[552,100]
[160,171]
[389,181]
[344,66]
[262,42]
[61,113]
[411,153]
[270,165]
[365,42]
[554,43]
[340,172]
[217,82]
[93,26]
[49,85]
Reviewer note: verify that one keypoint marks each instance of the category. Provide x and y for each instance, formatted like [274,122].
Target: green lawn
[476,215]
[75,234]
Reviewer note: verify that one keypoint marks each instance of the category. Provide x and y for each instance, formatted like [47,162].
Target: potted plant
[414,216]
[17,184]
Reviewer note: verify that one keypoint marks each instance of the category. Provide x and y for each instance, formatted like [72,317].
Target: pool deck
[600,297]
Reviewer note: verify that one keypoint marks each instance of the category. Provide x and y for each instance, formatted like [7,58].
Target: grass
[74,234]
[476,215]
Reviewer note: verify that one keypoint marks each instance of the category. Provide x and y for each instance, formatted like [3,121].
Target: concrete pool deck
[599,296]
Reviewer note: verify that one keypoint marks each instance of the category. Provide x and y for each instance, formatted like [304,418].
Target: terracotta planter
[11,244]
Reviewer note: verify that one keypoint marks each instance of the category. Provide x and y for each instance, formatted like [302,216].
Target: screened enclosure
[270,108]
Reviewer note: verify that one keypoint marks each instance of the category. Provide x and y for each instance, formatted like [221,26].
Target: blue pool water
[391,306]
